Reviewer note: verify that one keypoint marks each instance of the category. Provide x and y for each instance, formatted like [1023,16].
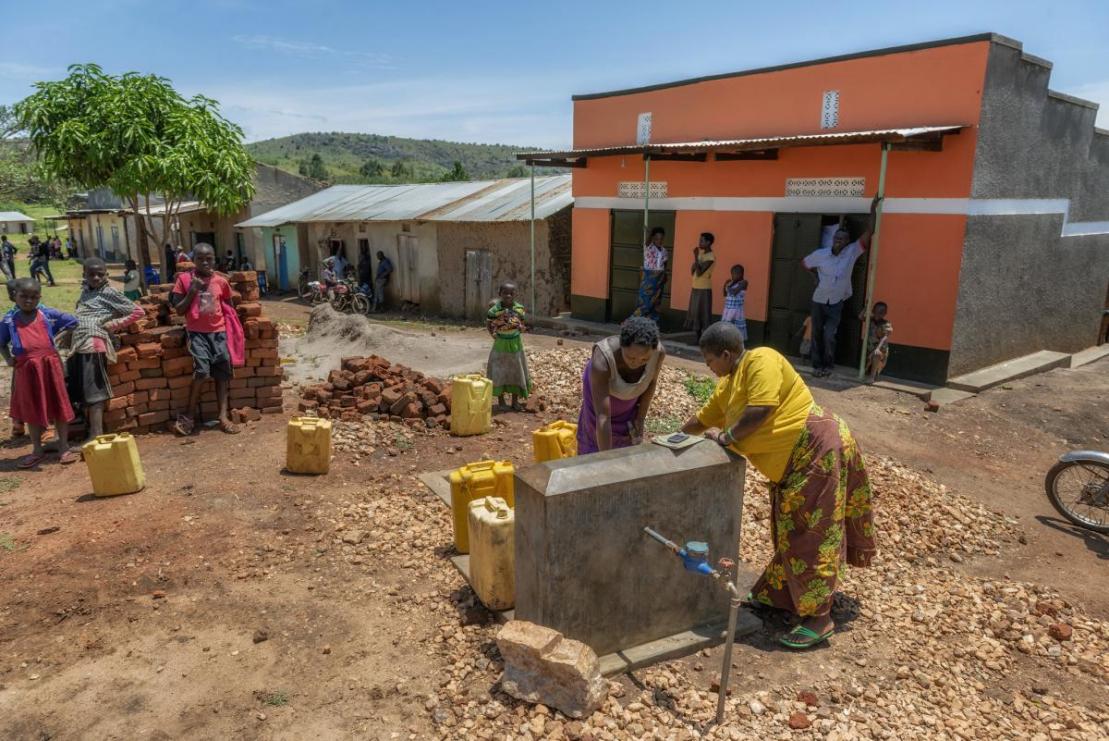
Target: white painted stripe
[828,204]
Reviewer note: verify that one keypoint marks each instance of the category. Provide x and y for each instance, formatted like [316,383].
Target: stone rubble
[925,650]
[541,666]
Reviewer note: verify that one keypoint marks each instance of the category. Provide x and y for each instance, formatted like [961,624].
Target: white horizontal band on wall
[829,204]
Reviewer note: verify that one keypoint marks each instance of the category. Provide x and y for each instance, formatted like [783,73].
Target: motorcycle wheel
[339,303]
[305,292]
[360,304]
[1068,483]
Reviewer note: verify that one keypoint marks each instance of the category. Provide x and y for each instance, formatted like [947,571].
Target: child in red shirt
[204,298]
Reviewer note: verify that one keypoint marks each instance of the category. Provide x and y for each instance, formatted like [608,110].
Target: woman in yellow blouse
[820,495]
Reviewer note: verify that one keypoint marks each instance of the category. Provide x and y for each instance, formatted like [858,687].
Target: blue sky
[495,72]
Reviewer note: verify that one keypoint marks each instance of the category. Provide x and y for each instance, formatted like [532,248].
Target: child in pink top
[204,298]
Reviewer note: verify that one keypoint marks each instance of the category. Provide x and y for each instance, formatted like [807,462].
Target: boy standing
[215,335]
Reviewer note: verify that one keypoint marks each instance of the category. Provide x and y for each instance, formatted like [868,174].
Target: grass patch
[700,388]
[401,443]
[7,543]
[276,699]
[67,274]
[9,484]
[663,425]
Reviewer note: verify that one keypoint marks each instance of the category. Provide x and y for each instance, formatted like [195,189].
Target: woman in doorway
[617,387]
[654,276]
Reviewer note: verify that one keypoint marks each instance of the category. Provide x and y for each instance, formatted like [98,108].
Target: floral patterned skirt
[821,516]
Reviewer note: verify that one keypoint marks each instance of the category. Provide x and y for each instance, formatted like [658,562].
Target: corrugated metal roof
[484,200]
[14,216]
[765,142]
[159,209]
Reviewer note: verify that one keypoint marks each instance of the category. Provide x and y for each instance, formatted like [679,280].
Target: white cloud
[492,111]
[311,50]
[1098,92]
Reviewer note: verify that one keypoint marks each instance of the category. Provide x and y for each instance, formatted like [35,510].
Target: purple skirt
[623,414]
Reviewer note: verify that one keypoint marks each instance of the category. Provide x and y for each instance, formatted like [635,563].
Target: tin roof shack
[994,234]
[195,223]
[451,244]
[14,222]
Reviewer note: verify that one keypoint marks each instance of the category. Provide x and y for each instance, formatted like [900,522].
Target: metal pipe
[872,264]
[726,667]
[533,306]
[646,194]
[662,539]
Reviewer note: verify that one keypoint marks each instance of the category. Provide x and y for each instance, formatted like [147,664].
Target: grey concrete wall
[1023,287]
[509,243]
[583,564]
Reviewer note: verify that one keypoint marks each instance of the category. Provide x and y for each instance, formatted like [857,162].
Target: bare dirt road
[230,600]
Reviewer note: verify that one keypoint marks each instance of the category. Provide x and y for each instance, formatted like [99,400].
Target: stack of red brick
[377,387]
[153,369]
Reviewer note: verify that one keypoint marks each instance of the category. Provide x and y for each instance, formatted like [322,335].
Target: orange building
[994,238]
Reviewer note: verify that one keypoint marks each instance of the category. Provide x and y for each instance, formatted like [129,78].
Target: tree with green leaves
[456,173]
[400,170]
[517,171]
[136,135]
[371,168]
[313,167]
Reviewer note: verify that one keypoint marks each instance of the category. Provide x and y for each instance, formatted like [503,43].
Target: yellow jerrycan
[114,465]
[471,405]
[474,481]
[557,440]
[308,445]
[492,552]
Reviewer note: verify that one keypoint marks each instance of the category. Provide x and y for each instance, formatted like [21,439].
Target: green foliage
[276,699]
[457,173]
[139,137]
[519,171]
[9,484]
[371,168]
[313,167]
[700,388]
[402,160]
[7,542]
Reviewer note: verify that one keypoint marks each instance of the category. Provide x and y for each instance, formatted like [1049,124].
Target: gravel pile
[557,377]
[926,651]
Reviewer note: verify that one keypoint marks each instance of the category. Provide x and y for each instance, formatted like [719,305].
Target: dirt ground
[231,600]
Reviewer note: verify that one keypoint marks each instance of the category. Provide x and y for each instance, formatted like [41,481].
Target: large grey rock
[543,666]
[585,568]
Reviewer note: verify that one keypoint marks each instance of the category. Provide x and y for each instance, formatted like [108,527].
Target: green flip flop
[801,638]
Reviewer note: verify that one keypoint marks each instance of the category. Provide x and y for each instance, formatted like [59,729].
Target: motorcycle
[348,297]
[1078,487]
[312,291]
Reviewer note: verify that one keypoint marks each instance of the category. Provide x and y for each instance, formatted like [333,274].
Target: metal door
[100,241]
[627,263]
[407,277]
[115,242]
[792,286]
[479,283]
[279,257]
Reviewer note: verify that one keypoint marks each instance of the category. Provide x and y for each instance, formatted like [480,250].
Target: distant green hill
[373,158]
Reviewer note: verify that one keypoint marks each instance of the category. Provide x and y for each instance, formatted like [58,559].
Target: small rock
[327,649]
[158,594]
[1060,631]
[799,721]
[807,697]
[260,636]
[49,530]
[757,708]
[354,537]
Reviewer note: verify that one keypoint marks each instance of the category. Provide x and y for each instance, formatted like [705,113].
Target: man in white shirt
[833,267]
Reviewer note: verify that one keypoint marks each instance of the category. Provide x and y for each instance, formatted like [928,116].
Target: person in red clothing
[204,299]
[27,342]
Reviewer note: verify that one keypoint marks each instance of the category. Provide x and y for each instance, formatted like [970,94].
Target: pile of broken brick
[153,370]
[374,386]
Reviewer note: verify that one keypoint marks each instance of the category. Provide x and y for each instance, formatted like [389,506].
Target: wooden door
[627,263]
[479,283]
[406,275]
[792,286]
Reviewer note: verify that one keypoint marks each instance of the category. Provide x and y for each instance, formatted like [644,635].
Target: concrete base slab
[663,649]
[1010,370]
[676,646]
[440,484]
[921,391]
[1089,355]
[949,396]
